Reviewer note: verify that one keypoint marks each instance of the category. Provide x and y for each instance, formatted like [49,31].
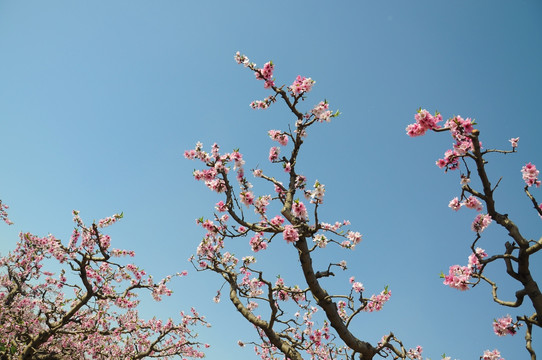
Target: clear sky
[98,101]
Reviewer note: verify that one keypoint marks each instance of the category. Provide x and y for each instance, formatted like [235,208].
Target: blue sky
[98,101]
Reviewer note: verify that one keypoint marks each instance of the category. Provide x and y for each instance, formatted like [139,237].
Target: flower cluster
[99,323]
[415,354]
[279,136]
[530,175]
[290,234]
[459,276]
[424,121]
[241,59]
[376,302]
[481,222]
[4,214]
[492,355]
[299,210]
[301,85]
[322,112]
[263,104]
[474,261]
[356,286]
[266,73]
[317,195]
[504,326]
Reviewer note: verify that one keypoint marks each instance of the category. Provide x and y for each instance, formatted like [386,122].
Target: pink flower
[241,59]
[266,73]
[277,221]
[514,142]
[504,326]
[299,210]
[322,112]
[259,104]
[376,302]
[279,136]
[220,206]
[481,222]
[530,175]
[415,354]
[459,127]
[492,355]
[247,197]
[450,160]
[473,203]
[257,242]
[274,153]
[458,277]
[287,167]
[301,85]
[320,240]
[290,234]
[473,259]
[424,121]
[355,237]
[454,204]
[358,287]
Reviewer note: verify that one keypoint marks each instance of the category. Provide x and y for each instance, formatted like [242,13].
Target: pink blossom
[355,237]
[481,222]
[450,160]
[530,175]
[320,240]
[260,205]
[220,206]
[279,136]
[473,259]
[458,277]
[257,173]
[459,127]
[266,73]
[277,221]
[301,85]
[259,104]
[317,195]
[504,326]
[287,167]
[492,355]
[514,142]
[376,302]
[424,121]
[415,354]
[358,287]
[290,234]
[473,203]
[454,204]
[241,59]
[274,153]
[321,112]
[257,242]
[299,210]
[247,197]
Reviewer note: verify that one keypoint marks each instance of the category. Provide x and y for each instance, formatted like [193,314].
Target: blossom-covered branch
[284,313]
[467,150]
[89,309]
